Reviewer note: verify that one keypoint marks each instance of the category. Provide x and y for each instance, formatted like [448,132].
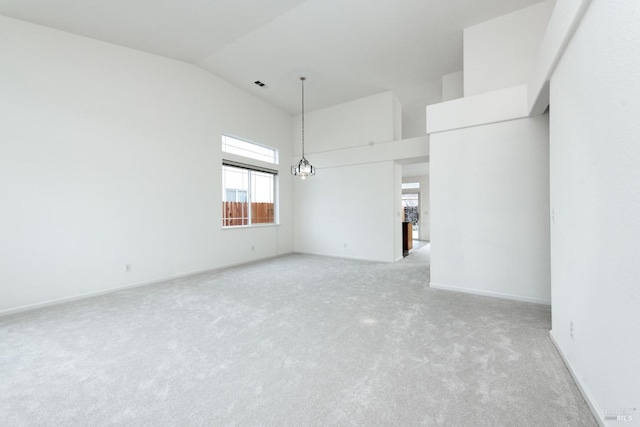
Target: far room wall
[351,208]
[347,211]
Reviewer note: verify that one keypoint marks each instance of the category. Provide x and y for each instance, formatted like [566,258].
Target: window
[410,185]
[248,190]
[248,194]
[249,149]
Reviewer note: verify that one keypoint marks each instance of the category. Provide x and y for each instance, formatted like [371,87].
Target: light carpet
[292,341]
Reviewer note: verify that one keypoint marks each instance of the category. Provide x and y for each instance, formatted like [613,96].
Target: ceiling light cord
[302,79]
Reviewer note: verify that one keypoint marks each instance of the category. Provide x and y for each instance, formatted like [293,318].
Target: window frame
[272,159]
[250,168]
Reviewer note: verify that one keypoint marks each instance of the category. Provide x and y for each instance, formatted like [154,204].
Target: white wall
[397,118]
[354,198]
[452,86]
[110,156]
[397,212]
[348,212]
[489,210]
[350,124]
[595,197]
[502,52]
[350,184]
[414,100]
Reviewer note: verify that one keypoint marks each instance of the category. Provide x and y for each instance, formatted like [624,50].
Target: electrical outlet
[571,329]
[252,248]
[127,268]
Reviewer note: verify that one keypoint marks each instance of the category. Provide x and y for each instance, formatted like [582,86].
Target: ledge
[371,153]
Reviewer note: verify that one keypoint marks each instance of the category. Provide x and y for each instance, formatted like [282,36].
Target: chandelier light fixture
[303,169]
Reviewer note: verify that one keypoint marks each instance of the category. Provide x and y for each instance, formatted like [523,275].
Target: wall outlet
[127,268]
[252,248]
[571,329]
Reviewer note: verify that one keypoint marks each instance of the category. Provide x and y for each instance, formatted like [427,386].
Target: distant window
[410,206]
[410,185]
[249,195]
[249,149]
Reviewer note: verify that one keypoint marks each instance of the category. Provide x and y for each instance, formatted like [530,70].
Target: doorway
[411,207]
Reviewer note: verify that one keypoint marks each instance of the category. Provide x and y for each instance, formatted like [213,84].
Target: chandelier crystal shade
[303,169]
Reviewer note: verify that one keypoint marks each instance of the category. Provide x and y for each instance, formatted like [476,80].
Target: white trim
[260,224]
[275,151]
[588,398]
[72,298]
[490,293]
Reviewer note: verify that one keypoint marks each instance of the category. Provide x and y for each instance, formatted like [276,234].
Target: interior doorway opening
[411,207]
[414,208]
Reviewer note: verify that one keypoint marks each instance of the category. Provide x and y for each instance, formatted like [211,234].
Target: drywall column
[489,167]
[489,210]
[595,194]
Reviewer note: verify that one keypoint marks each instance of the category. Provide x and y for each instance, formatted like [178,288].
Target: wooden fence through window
[237,213]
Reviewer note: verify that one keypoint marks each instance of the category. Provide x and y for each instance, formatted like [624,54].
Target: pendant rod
[302,79]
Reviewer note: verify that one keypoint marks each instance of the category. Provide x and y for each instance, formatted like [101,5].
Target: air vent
[259,83]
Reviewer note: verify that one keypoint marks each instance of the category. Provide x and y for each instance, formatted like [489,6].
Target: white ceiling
[347,48]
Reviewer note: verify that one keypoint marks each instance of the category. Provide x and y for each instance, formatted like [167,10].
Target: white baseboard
[489,293]
[597,414]
[84,295]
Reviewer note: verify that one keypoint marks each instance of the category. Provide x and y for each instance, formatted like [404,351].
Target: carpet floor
[293,341]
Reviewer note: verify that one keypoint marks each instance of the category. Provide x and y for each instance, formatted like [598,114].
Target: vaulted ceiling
[348,49]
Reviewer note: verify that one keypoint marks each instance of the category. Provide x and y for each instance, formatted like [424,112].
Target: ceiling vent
[259,83]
